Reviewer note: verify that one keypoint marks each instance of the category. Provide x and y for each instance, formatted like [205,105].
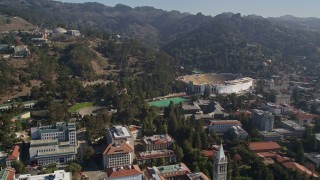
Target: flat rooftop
[119,132]
[59,152]
[158,139]
[172,168]
[45,142]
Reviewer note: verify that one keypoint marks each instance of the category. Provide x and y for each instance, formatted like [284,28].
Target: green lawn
[79,106]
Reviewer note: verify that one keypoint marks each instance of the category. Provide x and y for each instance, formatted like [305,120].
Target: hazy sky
[267,8]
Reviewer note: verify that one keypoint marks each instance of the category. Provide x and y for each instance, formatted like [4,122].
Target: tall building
[53,144]
[220,166]
[263,120]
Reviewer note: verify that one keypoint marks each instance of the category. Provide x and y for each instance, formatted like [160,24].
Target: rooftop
[7,173]
[197,176]
[15,153]
[45,142]
[158,139]
[117,148]
[314,157]
[172,168]
[124,171]
[293,125]
[264,146]
[154,154]
[222,122]
[119,132]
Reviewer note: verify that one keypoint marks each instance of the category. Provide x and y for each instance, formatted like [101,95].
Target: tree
[89,152]
[179,153]
[73,168]
[161,161]
[18,166]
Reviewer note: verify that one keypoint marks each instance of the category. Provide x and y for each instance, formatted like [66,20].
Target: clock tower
[220,165]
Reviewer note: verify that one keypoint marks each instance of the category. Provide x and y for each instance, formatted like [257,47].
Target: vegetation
[78,106]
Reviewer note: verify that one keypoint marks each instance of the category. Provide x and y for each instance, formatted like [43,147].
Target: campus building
[120,134]
[157,142]
[147,157]
[56,175]
[117,155]
[125,173]
[263,120]
[53,144]
[222,126]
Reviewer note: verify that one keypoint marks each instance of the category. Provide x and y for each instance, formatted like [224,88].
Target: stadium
[225,83]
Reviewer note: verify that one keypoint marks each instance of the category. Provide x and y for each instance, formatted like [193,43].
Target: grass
[166,102]
[79,106]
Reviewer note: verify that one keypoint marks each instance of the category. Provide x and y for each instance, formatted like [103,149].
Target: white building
[53,144]
[222,126]
[56,175]
[50,151]
[61,131]
[125,173]
[120,134]
[224,83]
[117,155]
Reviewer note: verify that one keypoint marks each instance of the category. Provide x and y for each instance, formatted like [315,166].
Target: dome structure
[59,30]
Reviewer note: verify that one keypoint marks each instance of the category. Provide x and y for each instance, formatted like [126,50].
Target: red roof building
[117,155]
[13,156]
[127,172]
[264,146]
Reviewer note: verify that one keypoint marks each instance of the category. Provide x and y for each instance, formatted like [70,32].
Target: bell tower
[220,165]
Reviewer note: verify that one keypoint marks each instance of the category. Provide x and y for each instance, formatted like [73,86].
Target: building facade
[147,157]
[53,144]
[117,155]
[222,126]
[157,142]
[263,120]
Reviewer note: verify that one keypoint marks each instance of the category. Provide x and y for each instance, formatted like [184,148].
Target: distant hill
[14,24]
[310,24]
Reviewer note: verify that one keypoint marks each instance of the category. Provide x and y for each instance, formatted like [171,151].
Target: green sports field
[166,102]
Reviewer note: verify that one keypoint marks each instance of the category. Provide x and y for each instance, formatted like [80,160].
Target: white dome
[59,30]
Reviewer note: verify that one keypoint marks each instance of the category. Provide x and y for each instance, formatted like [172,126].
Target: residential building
[220,165]
[147,157]
[125,173]
[297,129]
[222,126]
[53,144]
[305,118]
[120,134]
[237,132]
[270,136]
[176,171]
[51,151]
[7,174]
[56,175]
[157,142]
[117,155]
[61,131]
[312,160]
[264,147]
[136,131]
[21,51]
[13,155]
[263,120]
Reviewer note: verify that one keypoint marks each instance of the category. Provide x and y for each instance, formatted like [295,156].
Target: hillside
[232,43]
[14,24]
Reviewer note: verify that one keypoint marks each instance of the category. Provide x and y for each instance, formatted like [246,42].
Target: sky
[266,8]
